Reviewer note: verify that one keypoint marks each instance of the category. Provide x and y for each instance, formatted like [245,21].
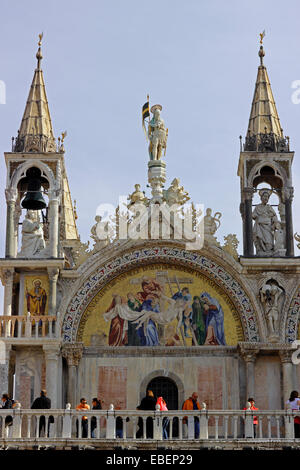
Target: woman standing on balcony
[293,403]
[163,407]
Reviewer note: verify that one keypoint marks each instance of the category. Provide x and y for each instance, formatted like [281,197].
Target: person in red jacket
[255,420]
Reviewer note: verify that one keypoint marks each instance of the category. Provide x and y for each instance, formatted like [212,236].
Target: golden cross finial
[41,37]
[262,35]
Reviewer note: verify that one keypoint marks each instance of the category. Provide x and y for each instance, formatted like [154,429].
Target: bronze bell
[33,199]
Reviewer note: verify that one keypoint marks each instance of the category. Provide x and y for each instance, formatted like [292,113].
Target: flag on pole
[145,114]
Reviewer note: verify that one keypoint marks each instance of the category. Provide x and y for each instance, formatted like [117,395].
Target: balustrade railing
[128,424]
[28,326]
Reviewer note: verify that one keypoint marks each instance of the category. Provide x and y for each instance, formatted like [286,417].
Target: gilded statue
[157,134]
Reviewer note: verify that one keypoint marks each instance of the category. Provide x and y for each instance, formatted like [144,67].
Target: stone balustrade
[214,425]
[28,326]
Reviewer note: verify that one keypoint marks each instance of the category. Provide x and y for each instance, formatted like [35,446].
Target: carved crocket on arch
[291,319]
[172,256]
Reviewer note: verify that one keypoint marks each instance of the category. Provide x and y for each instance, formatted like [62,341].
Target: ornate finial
[63,135]
[262,35]
[39,55]
[261,51]
[41,37]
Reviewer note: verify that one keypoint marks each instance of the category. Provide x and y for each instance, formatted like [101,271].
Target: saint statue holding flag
[157,133]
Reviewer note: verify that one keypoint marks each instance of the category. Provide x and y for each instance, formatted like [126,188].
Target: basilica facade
[154,311]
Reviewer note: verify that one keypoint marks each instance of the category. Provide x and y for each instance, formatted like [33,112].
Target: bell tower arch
[265,169]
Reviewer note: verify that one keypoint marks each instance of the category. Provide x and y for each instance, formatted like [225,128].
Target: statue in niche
[33,243]
[270,295]
[211,225]
[157,134]
[265,225]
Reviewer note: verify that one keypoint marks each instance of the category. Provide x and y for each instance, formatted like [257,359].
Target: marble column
[250,358]
[10,247]
[289,222]
[72,353]
[53,223]
[51,357]
[53,275]
[287,373]
[5,382]
[7,279]
[247,222]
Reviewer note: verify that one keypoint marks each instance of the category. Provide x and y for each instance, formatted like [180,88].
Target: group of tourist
[148,403]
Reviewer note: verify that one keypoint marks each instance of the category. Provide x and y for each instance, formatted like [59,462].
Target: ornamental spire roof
[264,129]
[36,132]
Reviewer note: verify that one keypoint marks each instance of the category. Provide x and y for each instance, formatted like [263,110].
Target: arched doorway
[166,388]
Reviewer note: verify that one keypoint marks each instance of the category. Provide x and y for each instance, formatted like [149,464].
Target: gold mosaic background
[94,330]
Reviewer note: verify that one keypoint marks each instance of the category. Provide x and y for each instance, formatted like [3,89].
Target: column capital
[7,276]
[248,193]
[54,196]
[11,195]
[53,273]
[286,356]
[73,353]
[288,193]
[249,355]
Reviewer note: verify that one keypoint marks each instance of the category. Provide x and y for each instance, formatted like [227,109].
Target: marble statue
[157,134]
[97,234]
[33,243]
[279,240]
[176,194]
[211,225]
[270,294]
[231,245]
[297,238]
[264,226]
[137,196]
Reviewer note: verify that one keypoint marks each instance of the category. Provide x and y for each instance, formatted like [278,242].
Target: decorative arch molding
[160,254]
[162,373]
[293,317]
[278,169]
[20,171]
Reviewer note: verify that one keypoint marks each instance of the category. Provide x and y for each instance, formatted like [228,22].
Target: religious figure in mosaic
[198,320]
[148,317]
[36,299]
[214,320]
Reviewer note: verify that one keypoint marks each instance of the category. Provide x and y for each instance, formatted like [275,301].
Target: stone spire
[264,130]
[36,132]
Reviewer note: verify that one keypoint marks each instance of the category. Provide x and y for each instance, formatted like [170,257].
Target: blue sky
[197,58]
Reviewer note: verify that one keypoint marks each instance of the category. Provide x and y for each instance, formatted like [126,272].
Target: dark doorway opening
[166,388]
